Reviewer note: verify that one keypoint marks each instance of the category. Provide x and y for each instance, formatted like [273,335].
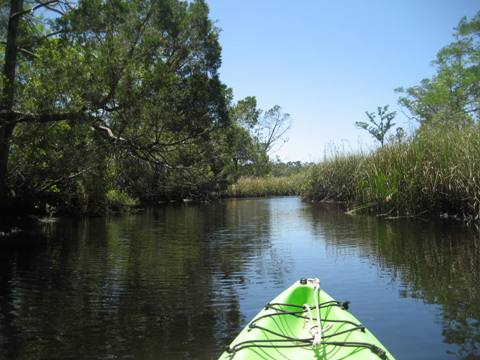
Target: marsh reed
[436,173]
[266,186]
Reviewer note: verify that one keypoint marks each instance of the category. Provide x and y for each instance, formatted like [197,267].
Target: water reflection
[436,262]
[161,283]
[180,281]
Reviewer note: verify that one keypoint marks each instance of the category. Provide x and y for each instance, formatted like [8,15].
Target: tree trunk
[5,136]
[8,93]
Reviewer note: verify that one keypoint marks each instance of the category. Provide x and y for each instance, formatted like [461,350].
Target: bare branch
[107,133]
[274,126]
[60,179]
[22,50]
[36,7]
[39,39]
[27,52]
[58,11]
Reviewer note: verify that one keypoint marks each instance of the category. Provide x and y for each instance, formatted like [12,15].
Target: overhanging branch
[20,49]
[34,8]
[26,117]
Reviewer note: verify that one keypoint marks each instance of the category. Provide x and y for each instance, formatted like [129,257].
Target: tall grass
[266,186]
[436,172]
[333,179]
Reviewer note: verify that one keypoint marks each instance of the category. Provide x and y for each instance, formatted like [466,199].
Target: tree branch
[46,36]
[49,184]
[60,12]
[113,87]
[22,50]
[107,133]
[36,7]
[25,117]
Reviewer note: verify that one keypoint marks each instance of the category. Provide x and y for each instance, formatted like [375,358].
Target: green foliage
[433,173]
[378,128]
[59,163]
[279,168]
[246,113]
[254,134]
[266,186]
[118,199]
[333,179]
[145,111]
[451,97]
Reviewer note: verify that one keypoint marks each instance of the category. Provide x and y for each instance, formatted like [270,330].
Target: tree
[143,75]
[280,169]
[8,86]
[399,137]
[248,156]
[378,128]
[272,128]
[246,113]
[257,134]
[452,96]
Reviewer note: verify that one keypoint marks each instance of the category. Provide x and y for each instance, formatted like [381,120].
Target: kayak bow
[304,322]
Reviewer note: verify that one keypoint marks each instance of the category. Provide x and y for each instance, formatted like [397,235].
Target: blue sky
[327,62]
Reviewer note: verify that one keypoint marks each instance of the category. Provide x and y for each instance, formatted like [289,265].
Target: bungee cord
[317,330]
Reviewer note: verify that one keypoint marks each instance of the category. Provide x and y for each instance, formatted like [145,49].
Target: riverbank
[266,186]
[433,174]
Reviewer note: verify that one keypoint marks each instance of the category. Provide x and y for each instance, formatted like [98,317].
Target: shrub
[117,200]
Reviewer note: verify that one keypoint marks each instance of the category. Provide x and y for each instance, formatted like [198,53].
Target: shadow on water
[180,281]
[160,283]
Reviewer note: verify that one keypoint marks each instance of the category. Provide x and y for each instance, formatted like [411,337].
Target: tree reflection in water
[162,283]
[180,281]
[437,262]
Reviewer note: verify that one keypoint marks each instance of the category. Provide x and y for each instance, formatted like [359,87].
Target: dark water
[179,282]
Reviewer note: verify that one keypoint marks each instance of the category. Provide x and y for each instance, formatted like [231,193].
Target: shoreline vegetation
[266,186]
[120,104]
[434,174]
[88,131]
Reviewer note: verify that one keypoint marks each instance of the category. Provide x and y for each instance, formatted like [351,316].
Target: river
[181,280]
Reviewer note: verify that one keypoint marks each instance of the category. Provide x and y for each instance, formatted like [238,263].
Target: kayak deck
[283,330]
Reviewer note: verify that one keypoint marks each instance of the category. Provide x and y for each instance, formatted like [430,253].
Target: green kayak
[304,322]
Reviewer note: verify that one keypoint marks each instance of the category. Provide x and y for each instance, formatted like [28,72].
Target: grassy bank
[435,173]
[266,186]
